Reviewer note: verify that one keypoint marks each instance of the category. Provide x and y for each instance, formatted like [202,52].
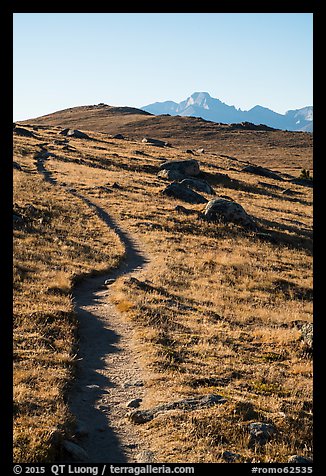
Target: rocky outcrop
[184,167]
[221,209]
[74,133]
[156,142]
[260,433]
[21,131]
[190,404]
[200,185]
[171,175]
[177,190]
[262,171]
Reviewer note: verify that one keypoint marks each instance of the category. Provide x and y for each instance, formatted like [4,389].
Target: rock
[135,403]
[200,151]
[171,175]
[74,133]
[17,218]
[188,404]
[116,186]
[299,460]
[229,211]
[108,282]
[76,451]
[200,185]
[307,335]
[140,416]
[188,167]
[176,190]
[260,432]
[64,132]
[230,457]
[118,136]
[138,383]
[189,151]
[16,166]
[157,142]
[21,131]
[78,134]
[45,154]
[258,170]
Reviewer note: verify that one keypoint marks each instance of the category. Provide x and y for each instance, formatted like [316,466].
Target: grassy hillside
[289,151]
[218,310]
[57,239]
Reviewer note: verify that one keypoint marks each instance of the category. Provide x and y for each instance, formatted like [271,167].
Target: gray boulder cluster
[74,133]
[156,142]
[185,185]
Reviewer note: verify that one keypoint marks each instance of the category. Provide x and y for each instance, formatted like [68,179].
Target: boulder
[184,193]
[186,405]
[74,133]
[258,170]
[200,185]
[78,134]
[157,142]
[21,131]
[229,211]
[188,167]
[171,175]
[260,432]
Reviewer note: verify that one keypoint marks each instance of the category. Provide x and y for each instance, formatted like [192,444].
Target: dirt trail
[109,374]
[108,370]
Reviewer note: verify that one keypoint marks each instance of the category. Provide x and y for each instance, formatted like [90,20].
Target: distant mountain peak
[202,104]
[198,99]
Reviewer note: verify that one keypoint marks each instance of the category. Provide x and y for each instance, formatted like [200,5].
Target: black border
[7,11]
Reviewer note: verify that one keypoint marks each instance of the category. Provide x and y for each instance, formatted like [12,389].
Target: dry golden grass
[59,240]
[216,311]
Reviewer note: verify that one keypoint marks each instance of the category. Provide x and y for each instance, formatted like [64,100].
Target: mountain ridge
[201,104]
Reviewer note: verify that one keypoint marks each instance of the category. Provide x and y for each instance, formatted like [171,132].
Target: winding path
[108,371]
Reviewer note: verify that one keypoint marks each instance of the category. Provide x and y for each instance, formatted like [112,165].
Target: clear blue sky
[63,60]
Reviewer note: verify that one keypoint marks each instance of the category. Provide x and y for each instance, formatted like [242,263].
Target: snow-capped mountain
[201,104]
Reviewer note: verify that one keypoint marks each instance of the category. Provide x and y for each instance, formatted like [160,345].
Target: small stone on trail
[135,403]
